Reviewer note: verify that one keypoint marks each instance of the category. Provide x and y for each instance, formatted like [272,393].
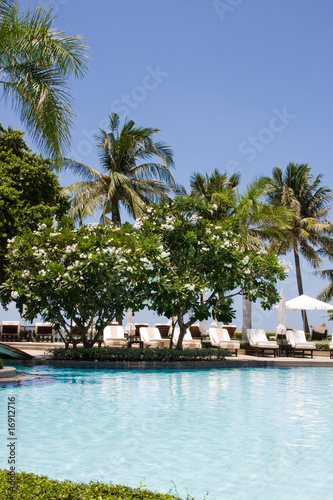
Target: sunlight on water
[258,433]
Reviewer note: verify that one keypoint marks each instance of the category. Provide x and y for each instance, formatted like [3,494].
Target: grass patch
[122,354]
[31,486]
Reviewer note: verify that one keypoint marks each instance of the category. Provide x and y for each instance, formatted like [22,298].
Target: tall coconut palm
[309,202]
[216,188]
[129,175]
[260,223]
[36,62]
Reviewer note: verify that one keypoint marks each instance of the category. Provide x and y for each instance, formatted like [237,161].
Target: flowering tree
[69,275]
[193,266]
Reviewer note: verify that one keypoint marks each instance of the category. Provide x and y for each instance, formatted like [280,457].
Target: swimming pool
[255,433]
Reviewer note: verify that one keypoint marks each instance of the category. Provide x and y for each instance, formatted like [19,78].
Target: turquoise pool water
[262,433]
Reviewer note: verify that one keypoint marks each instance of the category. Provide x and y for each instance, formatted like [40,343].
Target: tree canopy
[195,265]
[310,229]
[72,276]
[135,172]
[29,191]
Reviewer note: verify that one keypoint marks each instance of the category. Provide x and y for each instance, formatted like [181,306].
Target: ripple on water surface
[259,433]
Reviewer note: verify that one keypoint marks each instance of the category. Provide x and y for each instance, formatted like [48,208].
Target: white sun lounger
[298,343]
[219,337]
[259,344]
[151,337]
[188,341]
[113,336]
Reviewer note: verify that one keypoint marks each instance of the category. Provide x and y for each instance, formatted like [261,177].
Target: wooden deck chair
[10,331]
[44,332]
[298,343]
[164,329]
[219,337]
[188,341]
[259,344]
[113,336]
[319,332]
[151,337]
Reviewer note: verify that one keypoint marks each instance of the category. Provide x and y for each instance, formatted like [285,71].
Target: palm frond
[36,62]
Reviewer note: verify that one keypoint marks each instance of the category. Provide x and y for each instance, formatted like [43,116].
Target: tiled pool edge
[239,362]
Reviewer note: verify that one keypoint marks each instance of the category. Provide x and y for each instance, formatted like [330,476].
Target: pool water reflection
[256,433]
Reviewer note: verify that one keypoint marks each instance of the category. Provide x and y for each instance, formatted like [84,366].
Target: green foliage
[1,364]
[29,191]
[33,487]
[71,275]
[36,63]
[310,229]
[135,172]
[323,345]
[194,265]
[121,354]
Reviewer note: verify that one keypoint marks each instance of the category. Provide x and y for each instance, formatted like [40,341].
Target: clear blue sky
[241,85]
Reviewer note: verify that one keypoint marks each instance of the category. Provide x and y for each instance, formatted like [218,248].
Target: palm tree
[259,222]
[129,177]
[216,189]
[309,202]
[36,62]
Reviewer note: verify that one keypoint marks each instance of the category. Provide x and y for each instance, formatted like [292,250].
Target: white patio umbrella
[130,326]
[281,329]
[203,327]
[306,303]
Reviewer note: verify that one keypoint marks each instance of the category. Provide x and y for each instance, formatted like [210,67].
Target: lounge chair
[219,337]
[44,332]
[151,337]
[331,350]
[259,343]
[195,331]
[10,331]
[319,332]
[164,329]
[188,341]
[138,326]
[298,343]
[230,329]
[113,336]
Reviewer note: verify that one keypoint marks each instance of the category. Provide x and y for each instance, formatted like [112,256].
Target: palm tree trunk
[300,289]
[247,317]
[115,213]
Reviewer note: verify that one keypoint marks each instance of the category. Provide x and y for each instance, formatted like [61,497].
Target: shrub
[1,364]
[31,486]
[121,354]
[322,345]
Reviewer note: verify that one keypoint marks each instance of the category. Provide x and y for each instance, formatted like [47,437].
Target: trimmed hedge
[32,487]
[121,354]
[322,345]
[1,364]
